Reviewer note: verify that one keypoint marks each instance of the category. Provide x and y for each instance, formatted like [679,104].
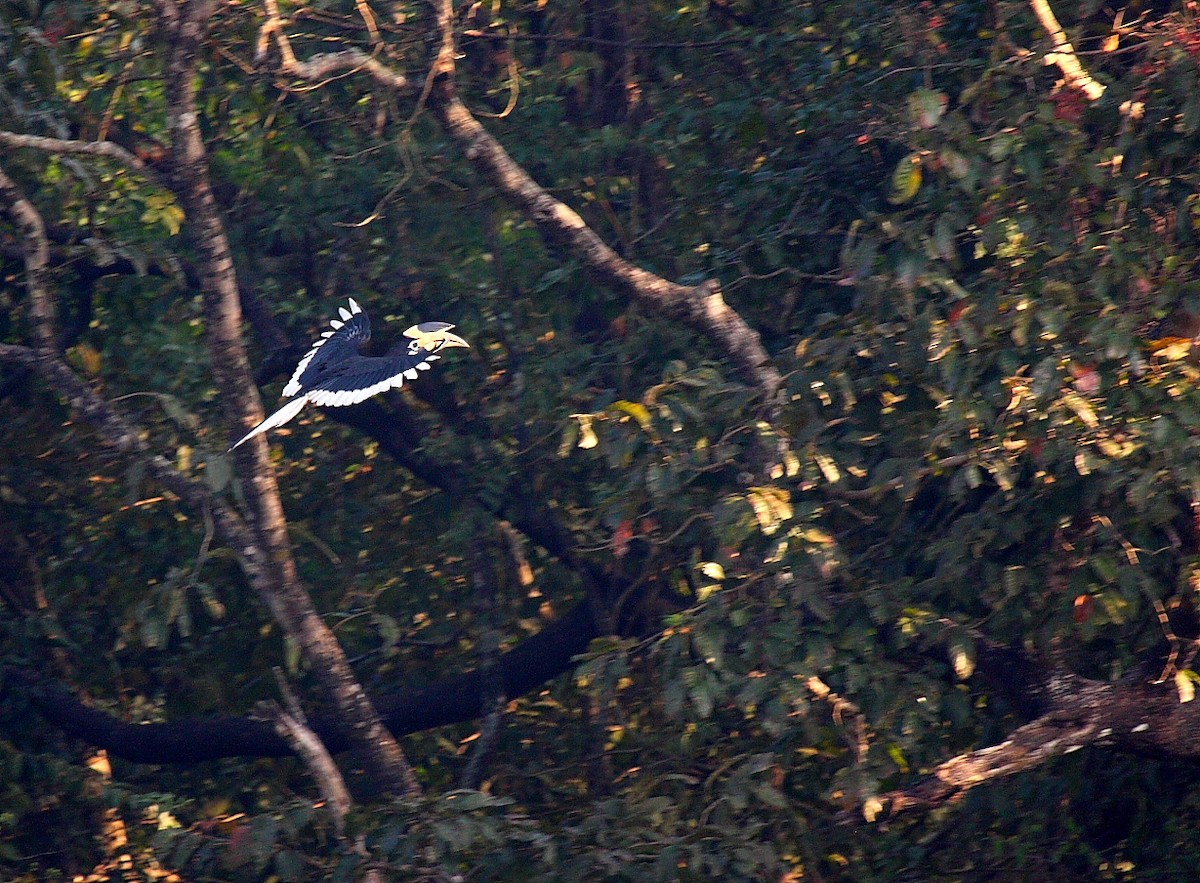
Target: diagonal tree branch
[1132,716]
[701,307]
[185,27]
[1064,53]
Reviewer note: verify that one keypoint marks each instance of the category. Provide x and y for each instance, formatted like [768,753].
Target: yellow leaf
[762,512]
[772,506]
[828,468]
[1083,410]
[906,179]
[816,536]
[872,807]
[1185,686]
[962,659]
[712,570]
[635,410]
[1171,349]
[587,435]
[88,357]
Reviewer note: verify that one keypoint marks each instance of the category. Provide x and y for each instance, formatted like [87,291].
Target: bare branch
[106,149]
[292,725]
[324,66]
[280,585]
[1050,736]
[1064,53]
[1133,716]
[36,250]
[348,61]
[701,307]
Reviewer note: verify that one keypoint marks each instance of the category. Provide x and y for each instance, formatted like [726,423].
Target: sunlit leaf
[636,410]
[962,656]
[906,180]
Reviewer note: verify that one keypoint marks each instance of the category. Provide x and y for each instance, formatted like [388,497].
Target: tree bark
[462,697]
[185,25]
[701,307]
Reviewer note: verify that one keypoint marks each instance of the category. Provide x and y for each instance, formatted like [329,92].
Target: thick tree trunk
[185,26]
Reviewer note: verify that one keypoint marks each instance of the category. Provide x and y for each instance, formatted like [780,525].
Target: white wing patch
[293,385]
[329,399]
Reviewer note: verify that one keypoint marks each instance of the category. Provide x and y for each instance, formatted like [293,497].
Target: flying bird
[334,373]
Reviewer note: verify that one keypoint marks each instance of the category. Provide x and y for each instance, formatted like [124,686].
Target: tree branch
[185,29]
[461,697]
[325,65]
[1064,53]
[36,252]
[1130,716]
[291,724]
[700,307]
[106,149]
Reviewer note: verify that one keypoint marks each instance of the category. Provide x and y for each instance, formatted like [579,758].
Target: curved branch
[1131,716]
[701,307]
[527,666]
[106,149]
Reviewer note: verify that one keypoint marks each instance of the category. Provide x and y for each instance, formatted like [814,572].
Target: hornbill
[333,373]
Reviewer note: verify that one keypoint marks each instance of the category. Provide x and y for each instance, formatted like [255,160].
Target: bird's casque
[334,373]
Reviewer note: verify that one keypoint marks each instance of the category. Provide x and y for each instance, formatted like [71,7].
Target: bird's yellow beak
[433,336]
[447,339]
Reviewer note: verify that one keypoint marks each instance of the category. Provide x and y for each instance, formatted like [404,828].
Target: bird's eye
[413,348]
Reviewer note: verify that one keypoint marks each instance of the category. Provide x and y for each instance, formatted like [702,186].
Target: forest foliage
[979,289]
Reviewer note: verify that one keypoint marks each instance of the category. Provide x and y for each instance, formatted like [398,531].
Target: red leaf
[621,537]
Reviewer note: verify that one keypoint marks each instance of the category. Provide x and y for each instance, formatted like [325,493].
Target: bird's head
[434,336]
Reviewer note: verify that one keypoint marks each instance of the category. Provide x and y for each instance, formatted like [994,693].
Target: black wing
[358,378]
[349,333]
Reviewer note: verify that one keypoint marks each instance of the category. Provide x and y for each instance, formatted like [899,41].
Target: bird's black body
[334,373]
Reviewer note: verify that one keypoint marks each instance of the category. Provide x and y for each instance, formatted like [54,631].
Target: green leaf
[926,107]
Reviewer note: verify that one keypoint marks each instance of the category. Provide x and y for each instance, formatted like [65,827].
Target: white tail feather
[280,417]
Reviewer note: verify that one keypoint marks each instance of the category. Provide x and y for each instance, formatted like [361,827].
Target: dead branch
[326,65]
[1134,716]
[292,725]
